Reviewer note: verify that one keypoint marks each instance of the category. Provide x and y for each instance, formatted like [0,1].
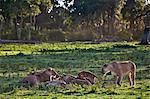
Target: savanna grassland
[17,60]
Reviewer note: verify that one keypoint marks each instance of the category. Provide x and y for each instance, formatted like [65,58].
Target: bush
[81,36]
[54,35]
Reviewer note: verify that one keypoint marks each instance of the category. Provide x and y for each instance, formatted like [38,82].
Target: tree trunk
[144,40]
[112,24]
[109,27]
[104,25]
[15,24]
[1,26]
[131,30]
[34,22]
[29,36]
[18,27]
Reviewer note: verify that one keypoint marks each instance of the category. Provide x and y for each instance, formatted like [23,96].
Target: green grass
[71,58]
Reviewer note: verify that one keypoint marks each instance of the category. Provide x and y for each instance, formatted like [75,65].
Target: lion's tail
[133,72]
[133,67]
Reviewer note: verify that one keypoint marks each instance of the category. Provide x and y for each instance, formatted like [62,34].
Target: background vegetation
[71,20]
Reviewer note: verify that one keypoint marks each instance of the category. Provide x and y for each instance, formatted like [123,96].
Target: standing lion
[119,69]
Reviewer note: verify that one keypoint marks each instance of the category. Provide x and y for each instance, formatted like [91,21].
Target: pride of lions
[51,78]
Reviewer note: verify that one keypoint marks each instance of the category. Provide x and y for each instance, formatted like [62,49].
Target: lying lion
[119,69]
[70,79]
[31,80]
[80,82]
[56,83]
[86,75]
[67,78]
[39,77]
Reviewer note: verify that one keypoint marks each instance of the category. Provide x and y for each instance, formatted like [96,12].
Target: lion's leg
[119,79]
[50,78]
[129,78]
[133,79]
[115,79]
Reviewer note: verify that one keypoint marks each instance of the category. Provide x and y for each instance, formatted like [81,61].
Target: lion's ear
[49,69]
[105,65]
[64,74]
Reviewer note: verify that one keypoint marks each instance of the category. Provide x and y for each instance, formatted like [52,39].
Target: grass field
[17,60]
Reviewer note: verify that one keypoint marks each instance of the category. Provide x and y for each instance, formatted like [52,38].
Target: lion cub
[86,75]
[119,69]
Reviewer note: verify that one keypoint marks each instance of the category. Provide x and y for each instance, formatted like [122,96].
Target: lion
[39,77]
[119,69]
[31,80]
[47,75]
[86,75]
[80,82]
[67,78]
[71,79]
[56,83]
[34,73]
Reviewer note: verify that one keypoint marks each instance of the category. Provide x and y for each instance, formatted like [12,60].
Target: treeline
[71,20]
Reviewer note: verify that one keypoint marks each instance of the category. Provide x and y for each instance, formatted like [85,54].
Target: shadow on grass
[123,46]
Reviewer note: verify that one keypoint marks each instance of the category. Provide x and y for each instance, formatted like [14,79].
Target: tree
[134,10]
[16,12]
[144,39]
[1,24]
